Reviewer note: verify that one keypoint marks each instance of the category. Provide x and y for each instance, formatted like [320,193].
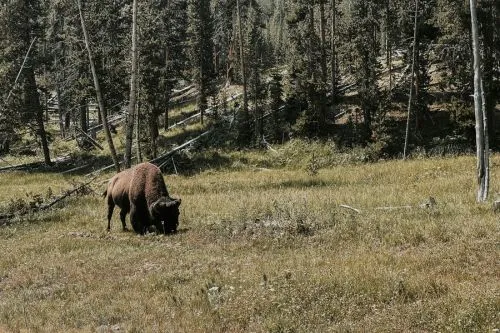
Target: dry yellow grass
[264,250]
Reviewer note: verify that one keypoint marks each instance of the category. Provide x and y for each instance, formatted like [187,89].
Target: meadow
[263,249]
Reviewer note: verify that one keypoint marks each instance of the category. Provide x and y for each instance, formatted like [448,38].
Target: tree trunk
[133,91]
[202,103]
[61,110]
[67,120]
[153,133]
[310,54]
[489,72]
[100,100]
[412,75]
[167,91]
[138,138]
[165,120]
[482,144]
[324,70]
[242,58]
[83,115]
[388,41]
[334,56]
[33,104]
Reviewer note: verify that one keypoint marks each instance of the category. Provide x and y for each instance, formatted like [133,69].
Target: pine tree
[22,31]
[275,122]
[254,53]
[200,34]
[362,48]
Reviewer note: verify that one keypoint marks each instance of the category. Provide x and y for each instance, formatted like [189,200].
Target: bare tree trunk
[334,55]
[242,58]
[482,143]
[388,41]
[310,57]
[153,133]
[165,120]
[20,70]
[83,114]
[324,70]
[33,101]
[412,75]
[61,110]
[167,92]
[133,91]
[138,137]
[100,101]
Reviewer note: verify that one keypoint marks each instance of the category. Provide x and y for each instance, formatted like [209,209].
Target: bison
[141,191]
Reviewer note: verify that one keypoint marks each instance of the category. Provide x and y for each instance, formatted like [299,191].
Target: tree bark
[167,91]
[153,133]
[61,110]
[482,144]
[83,115]
[388,41]
[242,58]
[138,138]
[412,75]
[324,70]
[334,56]
[33,103]
[100,100]
[133,91]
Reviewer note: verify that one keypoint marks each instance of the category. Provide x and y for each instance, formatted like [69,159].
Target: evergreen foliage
[320,69]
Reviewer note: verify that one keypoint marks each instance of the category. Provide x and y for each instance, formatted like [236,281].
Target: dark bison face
[165,213]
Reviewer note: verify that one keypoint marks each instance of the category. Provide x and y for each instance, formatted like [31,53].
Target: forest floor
[262,247]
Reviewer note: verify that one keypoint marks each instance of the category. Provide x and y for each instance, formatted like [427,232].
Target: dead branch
[198,114]
[92,141]
[181,91]
[102,169]
[185,144]
[351,208]
[75,169]
[20,70]
[5,219]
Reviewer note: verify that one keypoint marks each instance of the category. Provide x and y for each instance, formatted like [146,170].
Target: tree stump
[496,206]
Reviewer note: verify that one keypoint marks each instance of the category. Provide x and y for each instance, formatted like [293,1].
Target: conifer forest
[393,75]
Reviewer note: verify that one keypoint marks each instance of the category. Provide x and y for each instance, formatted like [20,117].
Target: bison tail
[105,193]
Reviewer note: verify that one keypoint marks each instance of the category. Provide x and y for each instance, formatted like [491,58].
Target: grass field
[263,250]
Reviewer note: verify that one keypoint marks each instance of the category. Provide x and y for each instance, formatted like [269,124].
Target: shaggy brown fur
[142,191]
[117,194]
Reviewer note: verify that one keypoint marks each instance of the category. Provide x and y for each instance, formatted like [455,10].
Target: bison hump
[147,184]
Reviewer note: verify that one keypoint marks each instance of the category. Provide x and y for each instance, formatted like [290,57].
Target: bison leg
[135,219]
[111,207]
[123,213]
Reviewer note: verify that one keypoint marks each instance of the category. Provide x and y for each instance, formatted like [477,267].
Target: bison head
[165,213]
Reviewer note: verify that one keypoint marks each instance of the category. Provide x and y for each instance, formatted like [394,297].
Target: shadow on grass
[78,163]
[190,164]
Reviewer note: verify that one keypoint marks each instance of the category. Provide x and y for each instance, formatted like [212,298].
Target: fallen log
[178,92]
[92,141]
[198,114]
[75,169]
[6,219]
[102,169]
[159,159]
[20,167]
